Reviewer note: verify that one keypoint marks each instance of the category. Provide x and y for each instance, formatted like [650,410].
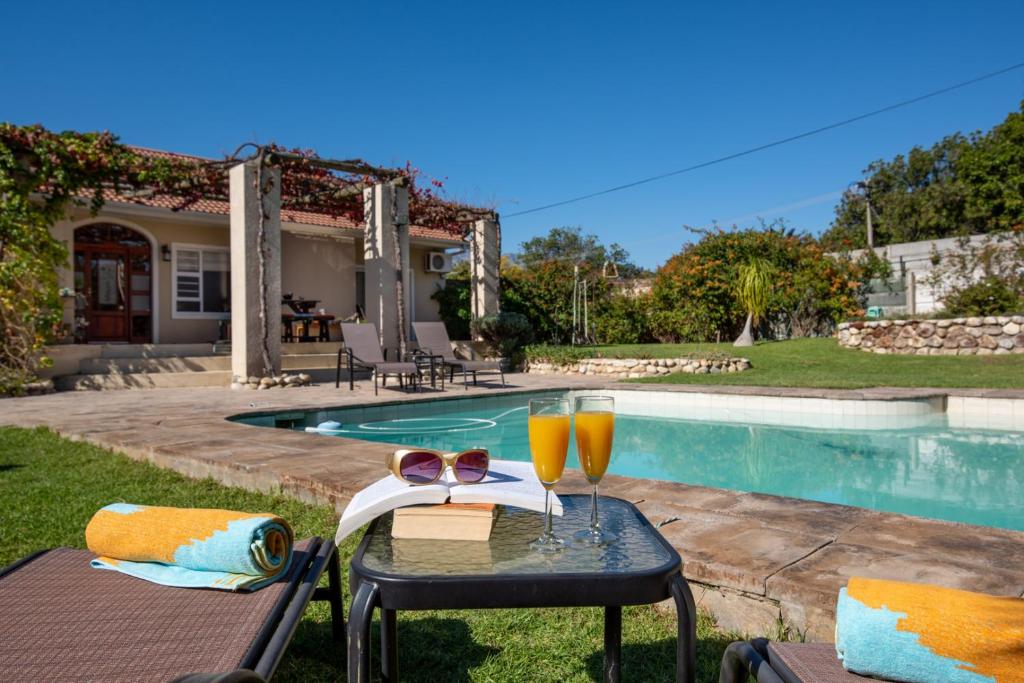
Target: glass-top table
[641,568]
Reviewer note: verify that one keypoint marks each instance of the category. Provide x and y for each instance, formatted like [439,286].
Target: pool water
[971,476]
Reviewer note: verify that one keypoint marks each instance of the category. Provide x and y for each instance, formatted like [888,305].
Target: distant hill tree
[960,185]
[568,245]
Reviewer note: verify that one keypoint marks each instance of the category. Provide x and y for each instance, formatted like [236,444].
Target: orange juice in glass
[595,428]
[549,443]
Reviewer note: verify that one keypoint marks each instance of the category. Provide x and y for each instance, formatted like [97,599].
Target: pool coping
[752,558]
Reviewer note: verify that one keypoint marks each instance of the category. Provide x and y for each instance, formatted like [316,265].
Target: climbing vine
[43,172]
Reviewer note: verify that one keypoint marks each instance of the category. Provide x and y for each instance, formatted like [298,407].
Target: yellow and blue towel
[191,548]
[918,633]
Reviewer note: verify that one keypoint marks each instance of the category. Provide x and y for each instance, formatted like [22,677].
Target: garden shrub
[508,332]
[695,296]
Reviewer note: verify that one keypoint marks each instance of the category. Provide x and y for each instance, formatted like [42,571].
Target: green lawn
[822,363]
[49,488]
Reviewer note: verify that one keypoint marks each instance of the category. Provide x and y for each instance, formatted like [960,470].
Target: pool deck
[752,558]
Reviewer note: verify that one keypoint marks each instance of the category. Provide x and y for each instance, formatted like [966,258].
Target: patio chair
[362,351]
[63,620]
[768,662]
[433,340]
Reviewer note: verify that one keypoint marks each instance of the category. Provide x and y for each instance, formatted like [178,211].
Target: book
[445,522]
[507,483]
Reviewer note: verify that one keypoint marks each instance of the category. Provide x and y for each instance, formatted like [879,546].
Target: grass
[822,363]
[50,487]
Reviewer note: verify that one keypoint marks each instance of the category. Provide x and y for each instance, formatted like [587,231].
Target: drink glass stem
[548,531]
[595,525]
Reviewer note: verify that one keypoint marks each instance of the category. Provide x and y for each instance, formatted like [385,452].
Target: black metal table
[430,363]
[403,574]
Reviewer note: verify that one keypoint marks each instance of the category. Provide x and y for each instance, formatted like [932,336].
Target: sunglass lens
[420,468]
[471,466]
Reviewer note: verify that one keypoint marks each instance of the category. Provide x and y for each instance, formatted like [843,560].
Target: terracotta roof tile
[222,208]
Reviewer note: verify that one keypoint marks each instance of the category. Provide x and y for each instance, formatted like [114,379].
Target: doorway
[113,284]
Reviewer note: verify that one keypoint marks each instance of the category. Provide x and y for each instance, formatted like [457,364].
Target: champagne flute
[595,427]
[549,443]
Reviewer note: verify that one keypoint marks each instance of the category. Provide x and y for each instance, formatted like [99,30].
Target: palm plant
[753,289]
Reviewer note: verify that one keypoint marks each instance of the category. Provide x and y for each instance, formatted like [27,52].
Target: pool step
[143,380]
[130,366]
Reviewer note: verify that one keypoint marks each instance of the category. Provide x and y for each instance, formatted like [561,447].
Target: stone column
[484,261]
[386,208]
[255,338]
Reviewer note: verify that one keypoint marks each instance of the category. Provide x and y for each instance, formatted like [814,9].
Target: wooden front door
[113,282]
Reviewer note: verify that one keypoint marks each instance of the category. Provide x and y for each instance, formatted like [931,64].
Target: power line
[776,143]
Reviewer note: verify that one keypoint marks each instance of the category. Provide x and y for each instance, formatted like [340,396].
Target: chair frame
[273,638]
[749,659]
[354,363]
[456,362]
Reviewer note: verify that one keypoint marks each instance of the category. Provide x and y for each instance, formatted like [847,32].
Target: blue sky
[519,105]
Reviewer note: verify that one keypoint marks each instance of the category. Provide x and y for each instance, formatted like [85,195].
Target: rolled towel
[918,633]
[191,547]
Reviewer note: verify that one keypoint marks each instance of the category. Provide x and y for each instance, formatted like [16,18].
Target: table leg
[612,644]
[388,646]
[359,618]
[686,616]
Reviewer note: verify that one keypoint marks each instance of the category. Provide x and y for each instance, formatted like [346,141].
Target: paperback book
[507,483]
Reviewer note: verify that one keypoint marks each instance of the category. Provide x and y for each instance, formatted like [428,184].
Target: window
[201,281]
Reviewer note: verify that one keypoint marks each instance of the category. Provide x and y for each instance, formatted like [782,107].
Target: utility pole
[871,228]
[863,188]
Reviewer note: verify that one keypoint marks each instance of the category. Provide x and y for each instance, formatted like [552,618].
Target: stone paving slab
[752,557]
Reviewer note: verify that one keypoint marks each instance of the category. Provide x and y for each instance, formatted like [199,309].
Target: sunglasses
[420,466]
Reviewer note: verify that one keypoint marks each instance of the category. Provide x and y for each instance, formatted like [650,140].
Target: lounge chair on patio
[433,340]
[362,351]
[63,620]
[769,662]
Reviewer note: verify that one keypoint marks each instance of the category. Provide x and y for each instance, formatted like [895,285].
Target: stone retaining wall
[950,337]
[632,368]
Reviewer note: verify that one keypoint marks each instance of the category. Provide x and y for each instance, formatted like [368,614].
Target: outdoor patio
[752,559]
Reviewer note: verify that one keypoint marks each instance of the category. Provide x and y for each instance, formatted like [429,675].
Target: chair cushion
[810,663]
[63,620]
[396,368]
[475,365]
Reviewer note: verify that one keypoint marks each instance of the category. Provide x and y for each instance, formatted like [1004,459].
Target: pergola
[259,185]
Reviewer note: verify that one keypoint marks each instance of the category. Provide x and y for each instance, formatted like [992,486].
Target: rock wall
[949,337]
[632,368]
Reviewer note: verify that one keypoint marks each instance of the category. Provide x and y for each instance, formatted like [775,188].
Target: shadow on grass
[7,468]
[656,660]
[430,649]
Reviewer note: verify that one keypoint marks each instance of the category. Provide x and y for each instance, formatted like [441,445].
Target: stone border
[633,368]
[990,335]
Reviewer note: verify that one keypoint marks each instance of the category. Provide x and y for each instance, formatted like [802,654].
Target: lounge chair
[63,620]
[769,662]
[433,340]
[362,351]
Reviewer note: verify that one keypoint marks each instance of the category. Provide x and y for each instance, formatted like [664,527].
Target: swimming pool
[898,460]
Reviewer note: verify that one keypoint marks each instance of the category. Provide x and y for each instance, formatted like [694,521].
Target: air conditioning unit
[438,262]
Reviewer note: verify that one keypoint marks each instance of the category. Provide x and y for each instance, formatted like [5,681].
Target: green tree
[568,245]
[695,296]
[963,184]
[753,290]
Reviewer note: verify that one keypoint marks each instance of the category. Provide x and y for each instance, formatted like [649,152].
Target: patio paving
[752,558]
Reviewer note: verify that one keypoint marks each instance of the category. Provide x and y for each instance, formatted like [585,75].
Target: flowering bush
[695,297]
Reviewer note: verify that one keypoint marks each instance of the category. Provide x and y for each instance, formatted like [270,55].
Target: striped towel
[191,548]
[926,634]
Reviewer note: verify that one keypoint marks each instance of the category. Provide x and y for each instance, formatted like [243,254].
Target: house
[144,273]
[147,271]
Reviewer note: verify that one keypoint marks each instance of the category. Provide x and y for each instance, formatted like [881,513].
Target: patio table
[405,574]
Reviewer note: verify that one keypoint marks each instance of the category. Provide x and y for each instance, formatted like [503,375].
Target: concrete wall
[424,285]
[315,267]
